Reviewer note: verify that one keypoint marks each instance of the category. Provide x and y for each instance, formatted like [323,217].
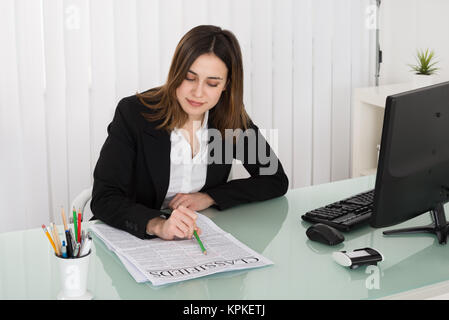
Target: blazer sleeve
[268,179]
[112,188]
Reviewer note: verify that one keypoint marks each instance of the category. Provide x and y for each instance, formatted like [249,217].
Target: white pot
[422,80]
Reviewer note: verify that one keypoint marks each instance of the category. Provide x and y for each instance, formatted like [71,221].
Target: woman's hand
[195,201]
[180,224]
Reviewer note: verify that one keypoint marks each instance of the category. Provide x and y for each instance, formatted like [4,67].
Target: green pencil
[199,242]
[75,224]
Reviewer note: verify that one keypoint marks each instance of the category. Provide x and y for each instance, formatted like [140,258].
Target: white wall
[65,65]
[408,25]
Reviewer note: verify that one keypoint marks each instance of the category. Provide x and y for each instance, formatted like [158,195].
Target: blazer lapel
[157,146]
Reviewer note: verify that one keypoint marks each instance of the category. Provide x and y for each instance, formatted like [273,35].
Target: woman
[172,146]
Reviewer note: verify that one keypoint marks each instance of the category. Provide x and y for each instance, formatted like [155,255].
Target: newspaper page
[163,262]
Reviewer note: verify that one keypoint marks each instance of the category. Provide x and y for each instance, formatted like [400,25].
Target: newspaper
[162,262]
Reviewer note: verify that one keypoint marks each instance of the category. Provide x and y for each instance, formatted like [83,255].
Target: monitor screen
[413,170]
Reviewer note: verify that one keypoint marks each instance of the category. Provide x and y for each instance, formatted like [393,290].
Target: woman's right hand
[180,224]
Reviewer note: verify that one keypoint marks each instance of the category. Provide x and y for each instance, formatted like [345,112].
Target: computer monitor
[413,171]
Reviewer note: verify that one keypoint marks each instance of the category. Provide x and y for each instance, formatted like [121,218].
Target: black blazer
[132,174]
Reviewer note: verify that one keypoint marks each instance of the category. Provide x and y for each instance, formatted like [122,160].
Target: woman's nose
[198,90]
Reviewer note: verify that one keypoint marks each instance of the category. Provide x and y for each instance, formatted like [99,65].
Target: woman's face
[203,85]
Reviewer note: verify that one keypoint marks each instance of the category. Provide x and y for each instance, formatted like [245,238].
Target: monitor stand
[439,226]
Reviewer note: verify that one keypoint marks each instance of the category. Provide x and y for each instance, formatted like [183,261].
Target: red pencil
[79,227]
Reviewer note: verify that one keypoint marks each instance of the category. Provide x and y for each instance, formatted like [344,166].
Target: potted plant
[425,68]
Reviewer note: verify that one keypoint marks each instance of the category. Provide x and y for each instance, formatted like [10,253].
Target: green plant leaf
[424,62]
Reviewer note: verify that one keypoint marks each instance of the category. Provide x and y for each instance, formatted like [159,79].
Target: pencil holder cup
[73,275]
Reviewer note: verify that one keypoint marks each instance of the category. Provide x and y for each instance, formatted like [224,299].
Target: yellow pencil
[49,237]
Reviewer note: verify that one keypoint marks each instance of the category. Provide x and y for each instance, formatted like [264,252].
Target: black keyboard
[346,214]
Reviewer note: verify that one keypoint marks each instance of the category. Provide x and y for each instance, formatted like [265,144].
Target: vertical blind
[66,64]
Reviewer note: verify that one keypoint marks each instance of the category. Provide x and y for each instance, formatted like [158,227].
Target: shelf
[367,123]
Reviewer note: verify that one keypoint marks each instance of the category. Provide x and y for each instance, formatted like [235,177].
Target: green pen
[199,242]
[75,224]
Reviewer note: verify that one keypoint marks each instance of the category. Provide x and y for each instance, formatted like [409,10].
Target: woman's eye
[209,84]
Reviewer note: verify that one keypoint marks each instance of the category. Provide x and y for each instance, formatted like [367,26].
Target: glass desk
[302,269]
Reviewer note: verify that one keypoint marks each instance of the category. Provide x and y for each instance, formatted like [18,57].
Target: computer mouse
[323,233]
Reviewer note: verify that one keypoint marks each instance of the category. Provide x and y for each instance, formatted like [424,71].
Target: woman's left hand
[194,201]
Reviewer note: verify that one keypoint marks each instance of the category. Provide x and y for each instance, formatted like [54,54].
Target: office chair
[82,203]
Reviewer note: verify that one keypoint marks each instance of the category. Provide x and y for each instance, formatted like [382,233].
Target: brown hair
[229,112]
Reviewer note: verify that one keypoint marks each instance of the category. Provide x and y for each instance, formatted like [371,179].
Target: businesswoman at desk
[171,147]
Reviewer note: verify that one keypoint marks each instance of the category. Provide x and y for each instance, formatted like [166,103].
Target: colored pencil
[79,227]
[199,242]
[75,225]
[49,237]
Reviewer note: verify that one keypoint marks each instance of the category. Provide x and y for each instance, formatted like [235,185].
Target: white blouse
[187,174]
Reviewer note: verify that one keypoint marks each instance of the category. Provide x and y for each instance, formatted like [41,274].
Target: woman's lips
[195,103]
